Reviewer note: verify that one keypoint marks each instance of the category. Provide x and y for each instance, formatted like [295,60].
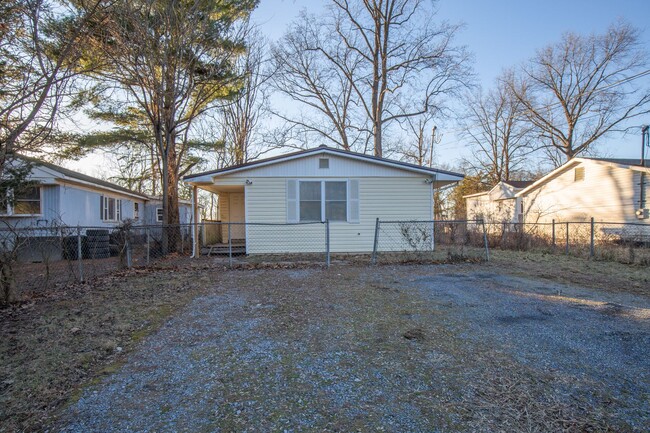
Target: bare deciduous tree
[386,60]
[498,133]
[583,87]
[421,139]
[241,118]
[304,74]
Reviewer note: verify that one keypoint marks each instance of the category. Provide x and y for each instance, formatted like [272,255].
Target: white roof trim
[61,177]
[549,176]
[477,194]
[492,189]
[91,185]
[567,165]
[332,152]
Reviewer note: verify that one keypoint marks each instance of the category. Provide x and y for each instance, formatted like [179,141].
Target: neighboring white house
[499,204]
[610,190]
[349,189]
[66,197]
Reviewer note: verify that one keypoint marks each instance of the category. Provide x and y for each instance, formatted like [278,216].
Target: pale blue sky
[501,34]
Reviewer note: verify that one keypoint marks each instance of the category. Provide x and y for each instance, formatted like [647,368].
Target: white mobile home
[65,197]
[611,190]
[348,189]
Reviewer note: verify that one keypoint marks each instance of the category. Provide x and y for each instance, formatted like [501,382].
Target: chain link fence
[34,259]
[622,242]
[429,241]
[269,242]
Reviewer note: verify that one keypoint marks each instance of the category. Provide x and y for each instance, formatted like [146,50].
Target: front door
[237,215]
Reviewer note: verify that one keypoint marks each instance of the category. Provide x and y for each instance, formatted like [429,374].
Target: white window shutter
[353,200]
[292,201]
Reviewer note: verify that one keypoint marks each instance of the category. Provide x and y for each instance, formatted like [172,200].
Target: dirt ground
[534,344]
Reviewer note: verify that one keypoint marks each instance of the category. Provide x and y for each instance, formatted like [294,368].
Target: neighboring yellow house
[608,190]
[349,189]
[497,205]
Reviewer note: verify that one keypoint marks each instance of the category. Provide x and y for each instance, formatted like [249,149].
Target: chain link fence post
[148,234]
[80,255]
[327,242]
[485,242]
[375,243]
[129,253]
[566,249]
[592,246]
[553,233]
[229,245]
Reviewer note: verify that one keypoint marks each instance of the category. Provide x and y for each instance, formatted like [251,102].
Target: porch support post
[196,250]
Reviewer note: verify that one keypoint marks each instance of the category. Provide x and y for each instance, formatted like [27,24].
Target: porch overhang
[220,185]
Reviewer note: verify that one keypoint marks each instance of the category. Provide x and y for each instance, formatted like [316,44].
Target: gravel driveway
[404,349]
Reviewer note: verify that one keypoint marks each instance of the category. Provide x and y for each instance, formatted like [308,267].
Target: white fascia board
[439,175]
[549,176]
[100,188]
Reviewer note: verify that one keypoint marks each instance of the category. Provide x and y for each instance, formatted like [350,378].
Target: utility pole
[433,142]
[645,141]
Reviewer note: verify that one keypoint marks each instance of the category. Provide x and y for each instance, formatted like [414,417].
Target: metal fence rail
[38,258]
[304,241]
[622,242]
[430,241]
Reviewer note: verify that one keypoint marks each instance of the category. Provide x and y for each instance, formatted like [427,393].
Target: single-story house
[498,205]
[606,189]
[61,196]
[350,190]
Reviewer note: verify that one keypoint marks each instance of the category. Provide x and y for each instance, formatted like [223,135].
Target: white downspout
[195,224]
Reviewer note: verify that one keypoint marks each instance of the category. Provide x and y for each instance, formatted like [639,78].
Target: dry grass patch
[53,344]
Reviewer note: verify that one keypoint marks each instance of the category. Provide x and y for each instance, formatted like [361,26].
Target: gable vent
[323,163]
[579,174]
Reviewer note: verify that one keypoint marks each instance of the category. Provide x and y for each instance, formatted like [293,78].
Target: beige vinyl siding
[492,211]
[387,198]
[607,193]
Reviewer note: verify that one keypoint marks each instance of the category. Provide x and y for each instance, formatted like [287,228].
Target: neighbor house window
[136,211]
[323,200]
[159,214]
[579,174]
[111,208]
[25,201]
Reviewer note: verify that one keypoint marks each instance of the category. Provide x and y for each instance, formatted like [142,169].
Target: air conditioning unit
[642,214]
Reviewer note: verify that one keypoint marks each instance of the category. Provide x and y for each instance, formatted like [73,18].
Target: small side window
[579,174]
[136,211]
[159,214]
[323,163]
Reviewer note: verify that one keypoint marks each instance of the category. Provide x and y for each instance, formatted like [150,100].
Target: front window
[336,201]
[310,201]
[323,200]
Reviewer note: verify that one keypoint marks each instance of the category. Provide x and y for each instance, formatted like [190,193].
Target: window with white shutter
[292,201]
[353,201]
